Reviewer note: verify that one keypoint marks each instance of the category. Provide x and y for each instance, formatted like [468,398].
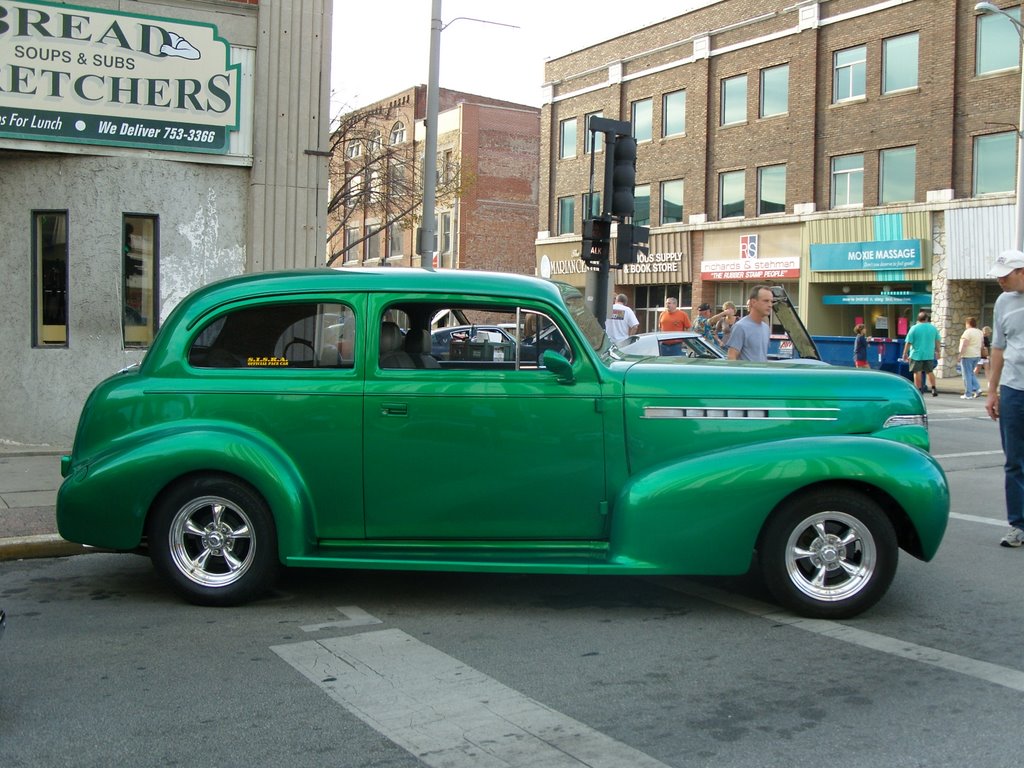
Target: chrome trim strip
[778,413]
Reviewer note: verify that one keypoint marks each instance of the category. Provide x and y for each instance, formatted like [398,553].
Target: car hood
[724,403]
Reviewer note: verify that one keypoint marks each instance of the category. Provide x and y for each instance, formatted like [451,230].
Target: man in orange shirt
[672,320]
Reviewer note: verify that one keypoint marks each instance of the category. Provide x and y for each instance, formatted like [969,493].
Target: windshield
[584,318]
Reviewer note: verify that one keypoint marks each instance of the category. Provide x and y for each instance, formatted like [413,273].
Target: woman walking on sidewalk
[971,342]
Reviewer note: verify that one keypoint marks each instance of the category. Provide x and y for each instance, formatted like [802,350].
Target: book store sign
[84,75]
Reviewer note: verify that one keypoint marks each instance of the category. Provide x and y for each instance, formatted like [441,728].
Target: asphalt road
[101,665]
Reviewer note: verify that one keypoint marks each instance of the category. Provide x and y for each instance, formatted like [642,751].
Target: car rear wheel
[829,554]
[214,539]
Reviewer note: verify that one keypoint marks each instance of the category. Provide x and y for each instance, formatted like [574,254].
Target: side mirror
[559,366]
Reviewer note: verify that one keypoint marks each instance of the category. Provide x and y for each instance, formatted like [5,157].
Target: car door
[490,450]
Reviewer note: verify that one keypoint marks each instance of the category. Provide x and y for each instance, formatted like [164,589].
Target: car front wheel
[214,539]
[830,554]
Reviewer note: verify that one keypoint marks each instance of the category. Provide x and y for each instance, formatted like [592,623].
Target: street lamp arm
[485,21]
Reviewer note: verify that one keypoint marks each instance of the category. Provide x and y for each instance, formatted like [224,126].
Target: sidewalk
[30,477]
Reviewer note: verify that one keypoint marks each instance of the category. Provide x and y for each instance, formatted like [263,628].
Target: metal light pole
[428,226]
[1018,233]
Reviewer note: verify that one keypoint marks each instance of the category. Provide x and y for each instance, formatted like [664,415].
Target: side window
[467,337]
[292,335]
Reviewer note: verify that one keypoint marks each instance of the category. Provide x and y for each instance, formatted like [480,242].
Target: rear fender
[113,513]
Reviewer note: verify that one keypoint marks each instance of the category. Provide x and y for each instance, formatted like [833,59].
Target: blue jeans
[971,384]
[1011,430]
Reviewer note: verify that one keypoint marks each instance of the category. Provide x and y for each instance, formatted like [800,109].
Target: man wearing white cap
[1005,400]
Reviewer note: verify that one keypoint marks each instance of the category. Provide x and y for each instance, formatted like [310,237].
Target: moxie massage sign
[69,73]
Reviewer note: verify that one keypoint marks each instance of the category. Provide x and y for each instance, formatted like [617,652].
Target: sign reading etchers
[85,75]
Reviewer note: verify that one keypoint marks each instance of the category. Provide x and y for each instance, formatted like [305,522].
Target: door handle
[394,409]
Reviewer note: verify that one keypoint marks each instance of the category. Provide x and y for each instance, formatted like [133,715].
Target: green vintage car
[299,419]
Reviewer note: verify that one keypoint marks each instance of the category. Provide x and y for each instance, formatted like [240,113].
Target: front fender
[703,514]
[105,498]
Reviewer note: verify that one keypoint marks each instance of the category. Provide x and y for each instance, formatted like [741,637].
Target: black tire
[214,539]
[829,554]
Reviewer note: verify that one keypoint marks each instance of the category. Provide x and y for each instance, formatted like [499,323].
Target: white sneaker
[965,397]
[1013,538]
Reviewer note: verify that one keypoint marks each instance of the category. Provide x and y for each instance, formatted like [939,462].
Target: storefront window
[140,254]
[50,278]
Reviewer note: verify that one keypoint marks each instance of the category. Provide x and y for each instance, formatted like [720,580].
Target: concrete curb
[46,545]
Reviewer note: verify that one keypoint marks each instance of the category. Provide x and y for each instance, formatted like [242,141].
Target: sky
[381,48]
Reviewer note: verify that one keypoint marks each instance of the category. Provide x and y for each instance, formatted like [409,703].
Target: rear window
[282,335]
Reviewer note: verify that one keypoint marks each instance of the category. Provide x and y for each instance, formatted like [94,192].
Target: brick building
[146,149]
[486,207]
[858,152]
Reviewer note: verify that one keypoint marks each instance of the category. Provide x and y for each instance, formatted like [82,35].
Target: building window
[354,149]
[731,187]
[444,232]
[993,169]
[594,141]
[997,46]
[771,189]
[354,191]
[592,204]
[567,132]
[642,205]
[899,63]
[139,273]
[775,90]
[672,201]
[395,240]
[50,278]
[642,115]
[847,180]
[734,100]
[373,236]
[897,175]
[398,133]
[849,73]
[673,113]
[352,244]
[566,214]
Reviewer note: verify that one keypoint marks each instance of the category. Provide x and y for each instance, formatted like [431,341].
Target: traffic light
[597,234]
[628,239]
[623,176]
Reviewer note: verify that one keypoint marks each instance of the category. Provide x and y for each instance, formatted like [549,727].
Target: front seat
[417,345]
[392,347]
